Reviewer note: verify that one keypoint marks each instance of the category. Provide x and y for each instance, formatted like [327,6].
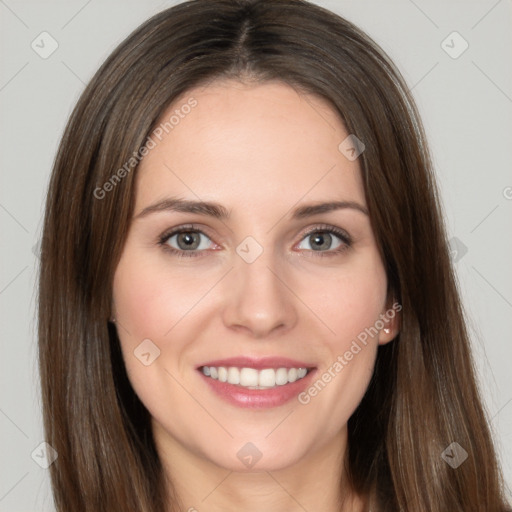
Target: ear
[391,318]
[112,316]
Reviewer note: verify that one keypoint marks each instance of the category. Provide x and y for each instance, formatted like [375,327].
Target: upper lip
[258,363]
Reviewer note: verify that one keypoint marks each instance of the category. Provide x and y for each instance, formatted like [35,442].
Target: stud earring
[387,330]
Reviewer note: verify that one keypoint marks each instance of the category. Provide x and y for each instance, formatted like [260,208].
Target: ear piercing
[387,330]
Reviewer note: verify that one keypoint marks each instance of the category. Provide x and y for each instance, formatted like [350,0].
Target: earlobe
[387,334]
[391,320]
[112,316]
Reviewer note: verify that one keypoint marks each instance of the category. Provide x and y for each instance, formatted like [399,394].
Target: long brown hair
[423,395]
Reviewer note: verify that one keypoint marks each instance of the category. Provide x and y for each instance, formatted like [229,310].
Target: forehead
[249,144]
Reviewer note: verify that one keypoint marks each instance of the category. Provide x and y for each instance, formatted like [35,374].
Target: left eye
[321,241]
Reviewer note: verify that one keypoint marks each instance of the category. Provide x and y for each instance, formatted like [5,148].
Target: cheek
[153,301]
[350,304]
[351,301]
[144,306]
[148,301]
[147,307]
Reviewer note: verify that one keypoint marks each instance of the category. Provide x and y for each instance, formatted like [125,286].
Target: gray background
[466,105]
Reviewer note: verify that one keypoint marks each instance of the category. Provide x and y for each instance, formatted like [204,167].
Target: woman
[246,297]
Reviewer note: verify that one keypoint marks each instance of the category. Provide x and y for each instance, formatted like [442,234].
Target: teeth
[267,378]
[281,376]
[255,379]
[233,375]
[223,374]
[248,377]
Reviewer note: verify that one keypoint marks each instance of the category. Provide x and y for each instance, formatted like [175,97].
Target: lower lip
[258,398]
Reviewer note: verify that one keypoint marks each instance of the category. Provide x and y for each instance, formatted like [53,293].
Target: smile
[251,378]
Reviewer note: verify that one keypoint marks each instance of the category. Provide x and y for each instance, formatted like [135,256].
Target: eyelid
[339,232]
[345,238]
[184,228]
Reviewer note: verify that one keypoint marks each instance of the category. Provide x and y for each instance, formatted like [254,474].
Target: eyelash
[191,228]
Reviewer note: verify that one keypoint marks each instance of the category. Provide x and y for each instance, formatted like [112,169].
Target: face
[250,298]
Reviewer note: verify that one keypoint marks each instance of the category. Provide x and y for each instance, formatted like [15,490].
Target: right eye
[182,241]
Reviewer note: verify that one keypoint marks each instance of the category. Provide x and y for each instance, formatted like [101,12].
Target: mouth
[256,383]
[251,378]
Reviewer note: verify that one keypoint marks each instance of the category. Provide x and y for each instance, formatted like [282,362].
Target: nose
[258,300]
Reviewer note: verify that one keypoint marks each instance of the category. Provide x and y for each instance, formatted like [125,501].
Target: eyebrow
[220,212]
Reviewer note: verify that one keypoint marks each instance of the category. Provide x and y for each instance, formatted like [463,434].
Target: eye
[327,239]
[184,239]
[191,241]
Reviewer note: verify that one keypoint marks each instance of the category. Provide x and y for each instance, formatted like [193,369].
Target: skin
[260,150]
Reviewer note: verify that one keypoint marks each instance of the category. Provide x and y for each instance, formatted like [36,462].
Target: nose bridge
[258,300]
